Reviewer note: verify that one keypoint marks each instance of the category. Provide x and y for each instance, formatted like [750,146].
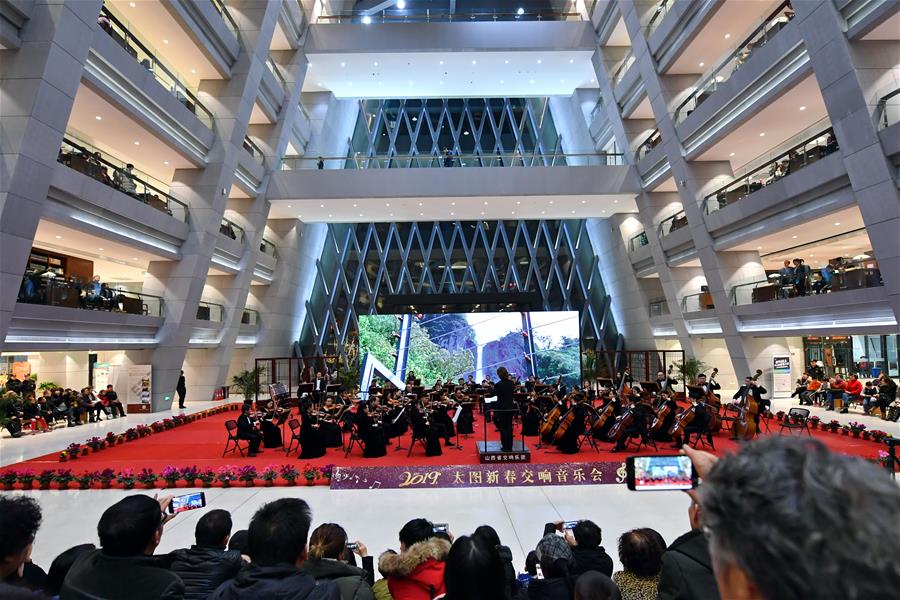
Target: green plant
[588,362]
[689,368]
[245,383]
[47,385]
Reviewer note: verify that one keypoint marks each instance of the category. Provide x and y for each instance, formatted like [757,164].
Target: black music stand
[486,446]
[333,388]
[303,389]
[604,382]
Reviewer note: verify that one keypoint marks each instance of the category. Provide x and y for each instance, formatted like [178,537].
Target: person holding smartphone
[328,549]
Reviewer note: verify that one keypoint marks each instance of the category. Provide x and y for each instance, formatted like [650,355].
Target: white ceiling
[116,133]
[736,19]
[781,120]
[422,75]
[166,37]
[889,29]
[619,35]
[450,208]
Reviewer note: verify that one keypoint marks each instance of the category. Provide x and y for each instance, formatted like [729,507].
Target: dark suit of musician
[756,391]
[505,390]
[319,385]
[666,384]
[247,431]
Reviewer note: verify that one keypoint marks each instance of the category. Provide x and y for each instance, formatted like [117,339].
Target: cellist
[699,424]
[571,426]
[748,397]
[636,423]
[666,410]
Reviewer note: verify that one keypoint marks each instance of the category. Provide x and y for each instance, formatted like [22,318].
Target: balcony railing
[567,12]
[638,241]
[656,16]
[673,223]
[801,155]
[849,275]
[210,311]
[649,144]
[622,68]
[889,109]
[276,71]
[697,302]
[659,308]
[254,151]
[267,247]
[250,317]
[122,34]
[86,159]
[220,7]
[70,292]
[708,84]
[293,163]
[598,106]
[232,230]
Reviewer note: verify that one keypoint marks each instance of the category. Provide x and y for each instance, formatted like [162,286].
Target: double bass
[745,426]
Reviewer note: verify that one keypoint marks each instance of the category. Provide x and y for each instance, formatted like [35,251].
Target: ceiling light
[727,35]
[474,62]
[387,204]
[551,202]
[410,83]
[802,108]
[763,134]
[329,215]
[520,11]
[375,63]
[485,202]
[501,81]
[584,201]
[319,84]
[837,223]
[562,80]
[466,132]
[343,64]
[165,41]
[131,4]
[482,213]
[100,249]
[793,237]
[573,212]
[615,201]
[440,62]
[366,20]
[539,61]
[59,237]
[193,70]
[442,83]
[451,214]
[421,214]
[505,62]
[604,210]
[453,204]
[593,80]
[391,215]
[512,212]
[420,204]
[531,81]
[759,247]
[289,206]
[134,258]
[99,118]
[702,63]
[518,202]
[136,143]
[732,154]
[354,206]
[542,212]
[571,60]
[350,83]
[401,4]
[321,206]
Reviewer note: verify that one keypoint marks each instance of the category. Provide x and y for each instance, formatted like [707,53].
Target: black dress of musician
[568,443]
[504,390]
[641,414]
[531,417]
[270,431]
[424,429]
[329,426]
[312,444]
[465,424]
[370,432]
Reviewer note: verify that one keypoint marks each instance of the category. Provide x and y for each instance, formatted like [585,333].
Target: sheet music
[399,414]
[457,413]
[490,399]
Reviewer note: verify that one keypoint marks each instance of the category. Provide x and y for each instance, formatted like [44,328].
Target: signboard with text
[781,374]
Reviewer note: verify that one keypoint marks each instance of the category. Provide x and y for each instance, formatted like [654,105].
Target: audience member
[640,551]
[417,572]
[20,518]
[240,541]
[686,565]
[125,566]
[206,565]
[60,566]
[555,559]
[278,544]
[474,571]
[596,586]
[327,548]
[113,402]
[589,555]
[787,519]
[489,536]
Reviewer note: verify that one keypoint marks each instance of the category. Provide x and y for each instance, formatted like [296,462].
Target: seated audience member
[31,413]
[836,387]
[474,571]
[589,554]
[596,586]
[20,519]
[489,536]
[417,573]
[640,551]
[686,565]
[555,558]
[13,413]
[60,566]
[810,394]
[787,519]
[327,546]
[124,566]
[240,541]
[852,392]
[278,534]
[115,405]
[206,565]
[870,396]
[887,392]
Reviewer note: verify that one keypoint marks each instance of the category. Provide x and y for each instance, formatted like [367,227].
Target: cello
[603,416]
[661,413]
[624,421]
[550,422]
[745,426]
[683,419]
[564,423]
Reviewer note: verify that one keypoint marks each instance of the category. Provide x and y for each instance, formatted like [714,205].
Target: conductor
[504,390]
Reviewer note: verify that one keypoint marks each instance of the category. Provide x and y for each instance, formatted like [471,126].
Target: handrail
[227,228]
[673,223]
[267,247]
[88,160]
[658,308]
[230,23]
[427,16]
[276,70]
[254,150]
[799,156]
[888,114]
[622,67]
[640,237]
[250,316]
[657,16]
[37,289]
[684,302]
[512,159]
[214,312]
[757,38]
[163,74]
[598,106]
[648,144]
[815,284]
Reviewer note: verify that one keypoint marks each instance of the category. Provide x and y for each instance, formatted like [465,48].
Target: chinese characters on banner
[465,476]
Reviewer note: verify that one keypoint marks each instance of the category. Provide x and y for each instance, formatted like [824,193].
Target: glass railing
[254,151]
[250,317]
[231,230]
[622,68]
[71,292]
[659,308]
[514,159]
[638,241]
[267,247]
[210,311]
[230,23]
[649,144]
[889,109]
[697,302]
[276,71]
[86,159]
[709,83]
[801,155]
[652,19]
[598,106]
[673,223]
[117,29]
[845,275]
[567,11]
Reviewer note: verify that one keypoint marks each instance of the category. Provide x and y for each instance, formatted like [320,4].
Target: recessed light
[453,204]
[482,213]
[837,223]
[615,201]
[793,237]
[551,202]
[571,60]
[451,214]
[354,206]
[420,204]
[593,80]
[421,214]
[59,237]
[375,63]
[505,62]
[732,154]
[562,80]
[131,4]
[727,35]
[387,204]
[763,134]
[518,202]
[501,81]
[193,70]
[584,201]
[321,206]
[573,212]
[466,132]
[360,214]
[410,83]
[136,143]
[531,81]
[100,249]
[134,258]
[441,82]
[520,11]
[702,63]
[401,4]
[539,61]
[343,64]
[512,212]
[485,202]
[542,212]
[329,215]
[474,62]
[604,210]
[165,41]
[802,108]
[319,84]
[759,247]
[440,62]
[289,206]
[99,118]
[391,215]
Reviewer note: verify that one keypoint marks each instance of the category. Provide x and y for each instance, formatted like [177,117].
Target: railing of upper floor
[805,153]
[568,11]
[210,311]
[653,18]
[621,67]
[888,111]
[837,276]
[659,308]
[639,240]
[359,161]
[267,247]
[710,82]
[250,316]
[276,71]
[649,144]
[254,150]
[697,302]
[84,158]
[122,34]
[230,23]
[598,107]
[70,292]
[232,230]
[673,223]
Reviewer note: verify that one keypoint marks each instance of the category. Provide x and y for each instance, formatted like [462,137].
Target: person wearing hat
[556,559]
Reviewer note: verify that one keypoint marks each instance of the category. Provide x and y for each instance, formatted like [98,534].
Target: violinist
[329,416]
[424,428]
[529,384]
[441,418]
[396,421]
[270,431]
[246,430]
[465,424]
[571,426]
[411,378]
[369,429]
[531,415]
[312,442]
[438,386]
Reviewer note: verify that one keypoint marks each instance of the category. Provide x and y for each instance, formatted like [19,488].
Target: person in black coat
[246,430]
[589,554]
[686,564]
[206,565]
[181,389]
[370,431]
[505,390]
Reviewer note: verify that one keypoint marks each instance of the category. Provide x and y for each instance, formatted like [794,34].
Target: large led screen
[450,346]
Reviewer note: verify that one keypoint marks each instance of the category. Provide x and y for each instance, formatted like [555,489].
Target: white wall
[70,369]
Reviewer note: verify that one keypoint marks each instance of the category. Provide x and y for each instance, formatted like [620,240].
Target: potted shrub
[245,383]
[845,430]
[206,477]
[190,475]
[310,473]
[171,475]
[877,435]
[247,474]
[327,472]
[289,473]
[834,425]
[63,477]
[156,427]
[94,443]
[105,477]
[814,422]
[63,456]
[84,481]
[45,478]
[225,475]
[856,428]
[268,475]
[110,439]
[131,434]
[690,368]
[74,450]
[26,478]
[9,478]
[147,478]
[126,478]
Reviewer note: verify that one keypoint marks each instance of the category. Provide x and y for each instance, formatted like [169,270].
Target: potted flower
[845,430]
[44,479]
[167,424]
[206,477]
[9,478]
[63,456]
[247,474]
[156,426]
[120,439]
[26,478]
[84,481]
[289,473]
[268,475]
[884,459]
[147,478]
[814,422]
[74,450]
[225,475]
[110,439]
[190,475]
[94,443]
[143,430]
[877,435]
[126,478]
[834,425]
[63,477]
[171,475]
[310,473]
[856,428]
[105,477]
[131,434]
[327,471]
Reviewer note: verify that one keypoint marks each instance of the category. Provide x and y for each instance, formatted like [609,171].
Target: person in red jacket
[836,387]
[852,392]
[417,573]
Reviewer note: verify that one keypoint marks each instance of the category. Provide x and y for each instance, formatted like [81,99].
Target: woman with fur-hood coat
[417,573]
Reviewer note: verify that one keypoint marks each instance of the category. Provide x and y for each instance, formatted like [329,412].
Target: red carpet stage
[200,443]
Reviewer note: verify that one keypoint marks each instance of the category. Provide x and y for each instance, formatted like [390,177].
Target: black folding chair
[294,425]
[354,440]
[417,437]
[796,418]
[231,428]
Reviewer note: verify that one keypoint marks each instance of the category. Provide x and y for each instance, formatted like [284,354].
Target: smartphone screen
[440,528]
[570,524]
[187,502]
[651,473]
[352,546]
